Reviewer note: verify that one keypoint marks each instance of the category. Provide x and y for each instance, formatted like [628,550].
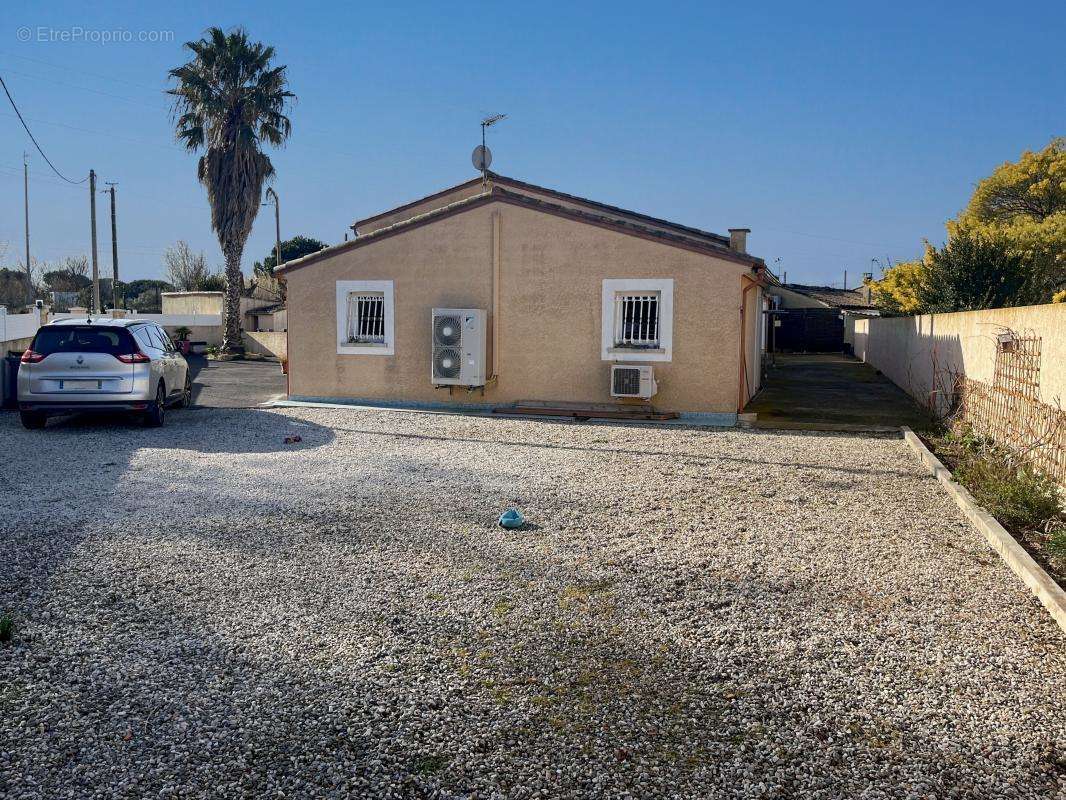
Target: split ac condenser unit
[459,345]
[632,381]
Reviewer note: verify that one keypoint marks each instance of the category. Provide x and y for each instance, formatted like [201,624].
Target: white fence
[167,320]
[18,326]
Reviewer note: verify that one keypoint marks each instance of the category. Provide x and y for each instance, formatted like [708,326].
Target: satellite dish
[481,158]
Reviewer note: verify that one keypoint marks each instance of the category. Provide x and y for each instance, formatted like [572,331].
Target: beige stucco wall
[206,303]
[266,343]
[549,316]
[911,350]
[192,302]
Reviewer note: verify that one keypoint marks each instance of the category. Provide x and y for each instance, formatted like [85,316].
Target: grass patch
[7,628]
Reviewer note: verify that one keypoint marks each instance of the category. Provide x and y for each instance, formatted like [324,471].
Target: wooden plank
[585,413]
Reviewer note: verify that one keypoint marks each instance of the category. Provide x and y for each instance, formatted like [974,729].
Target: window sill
[650,351]
[365,348]
[636,354]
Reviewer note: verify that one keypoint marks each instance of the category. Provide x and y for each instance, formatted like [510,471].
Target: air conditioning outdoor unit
[632,381]
[458,344]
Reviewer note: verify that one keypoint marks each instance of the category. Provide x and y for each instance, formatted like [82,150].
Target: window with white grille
[366,318]
[636,319]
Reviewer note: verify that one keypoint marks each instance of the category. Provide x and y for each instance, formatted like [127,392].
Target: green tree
[973,271]
[1006,248]
[229,100]
[291,249]
[1025,202]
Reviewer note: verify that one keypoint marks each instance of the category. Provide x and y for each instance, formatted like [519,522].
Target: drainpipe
[741,399]
[497,257]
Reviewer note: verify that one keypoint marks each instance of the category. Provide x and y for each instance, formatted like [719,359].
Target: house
[815,319]
[556,292]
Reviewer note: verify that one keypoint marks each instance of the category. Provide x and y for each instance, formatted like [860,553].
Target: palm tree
[229,99]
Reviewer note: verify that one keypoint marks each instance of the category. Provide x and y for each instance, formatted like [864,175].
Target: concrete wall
[266,343]
[207,303]
[552,271]
[17,330]
[916,353]
[192,302]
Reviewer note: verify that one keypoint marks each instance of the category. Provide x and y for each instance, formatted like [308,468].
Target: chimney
[738,239]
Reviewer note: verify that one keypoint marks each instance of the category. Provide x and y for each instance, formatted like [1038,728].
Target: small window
[366,323]
[366,318]
[636,320]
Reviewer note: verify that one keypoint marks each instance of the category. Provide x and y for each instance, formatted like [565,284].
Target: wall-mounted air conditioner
[458,345]
[632,381]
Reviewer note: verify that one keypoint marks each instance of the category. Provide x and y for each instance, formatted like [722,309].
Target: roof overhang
[497,194]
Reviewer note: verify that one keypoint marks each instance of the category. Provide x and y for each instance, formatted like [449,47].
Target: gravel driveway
[205,611]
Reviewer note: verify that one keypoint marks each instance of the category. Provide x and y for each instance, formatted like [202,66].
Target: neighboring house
[560,288]
[255,311]
[814,319]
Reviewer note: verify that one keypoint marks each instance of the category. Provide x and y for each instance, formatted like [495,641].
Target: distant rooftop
[831,296]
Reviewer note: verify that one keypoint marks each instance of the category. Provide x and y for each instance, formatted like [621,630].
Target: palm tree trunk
[232,338]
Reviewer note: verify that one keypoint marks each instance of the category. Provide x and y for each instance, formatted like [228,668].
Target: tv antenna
[482,156]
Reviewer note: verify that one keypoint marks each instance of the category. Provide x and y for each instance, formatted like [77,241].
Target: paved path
[821,390]
[235,384]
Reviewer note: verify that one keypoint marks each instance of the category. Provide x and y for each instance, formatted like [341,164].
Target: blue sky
[838,133]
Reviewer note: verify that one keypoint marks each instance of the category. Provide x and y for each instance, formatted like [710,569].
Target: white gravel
[204,611]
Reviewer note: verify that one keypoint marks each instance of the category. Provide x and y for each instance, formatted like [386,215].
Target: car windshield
[83,339]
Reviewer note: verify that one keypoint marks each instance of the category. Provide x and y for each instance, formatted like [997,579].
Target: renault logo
[81,359]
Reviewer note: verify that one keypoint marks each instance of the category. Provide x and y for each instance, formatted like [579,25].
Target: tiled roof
[835,298]
[504,181]
[497,193]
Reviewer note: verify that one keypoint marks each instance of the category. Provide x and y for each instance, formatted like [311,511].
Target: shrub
[1017,495]
[7,628]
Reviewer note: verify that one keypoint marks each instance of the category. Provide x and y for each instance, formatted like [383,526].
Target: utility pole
[26,206]
[277,226]
[96,266]
[114,251]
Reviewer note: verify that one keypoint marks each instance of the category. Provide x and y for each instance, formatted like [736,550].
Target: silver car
[101,365]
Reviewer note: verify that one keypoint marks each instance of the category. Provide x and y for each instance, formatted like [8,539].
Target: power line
[32,139]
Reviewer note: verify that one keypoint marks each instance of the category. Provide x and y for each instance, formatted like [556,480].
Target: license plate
[72,385]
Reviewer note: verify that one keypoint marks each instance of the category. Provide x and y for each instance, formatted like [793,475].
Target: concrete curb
[1049,593]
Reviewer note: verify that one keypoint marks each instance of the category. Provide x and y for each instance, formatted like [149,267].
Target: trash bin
[9,372]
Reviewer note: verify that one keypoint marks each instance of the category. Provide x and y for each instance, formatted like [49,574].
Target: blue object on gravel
[512,518]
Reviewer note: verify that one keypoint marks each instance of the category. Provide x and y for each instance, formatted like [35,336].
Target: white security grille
[366,317]
[636,319]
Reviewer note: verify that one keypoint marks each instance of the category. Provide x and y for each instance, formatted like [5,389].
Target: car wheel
[33,420]
[186,395]
[154,416]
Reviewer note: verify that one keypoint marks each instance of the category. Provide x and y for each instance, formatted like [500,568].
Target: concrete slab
[821,391]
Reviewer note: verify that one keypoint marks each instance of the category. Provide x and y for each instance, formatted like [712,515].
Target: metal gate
[805,330]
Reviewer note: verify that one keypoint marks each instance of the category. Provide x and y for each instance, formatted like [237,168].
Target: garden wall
[923,354]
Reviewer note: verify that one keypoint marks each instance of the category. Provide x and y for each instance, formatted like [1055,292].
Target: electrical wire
[32,139]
